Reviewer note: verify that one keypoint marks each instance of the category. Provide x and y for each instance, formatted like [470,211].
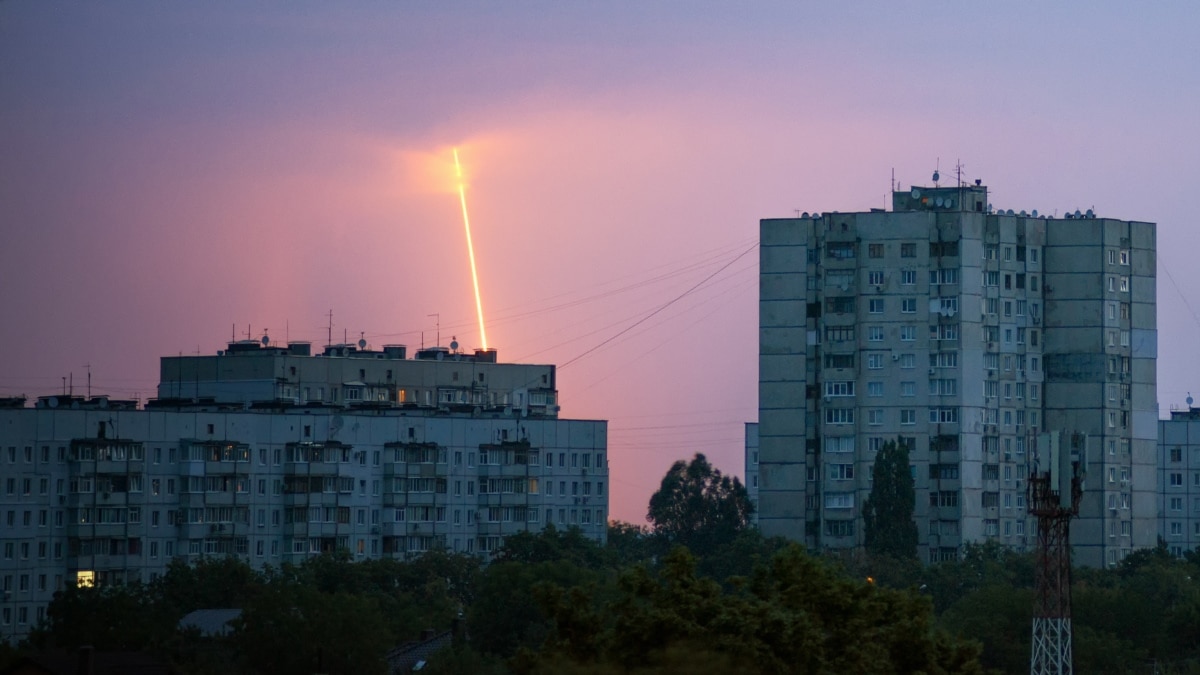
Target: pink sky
[167,171]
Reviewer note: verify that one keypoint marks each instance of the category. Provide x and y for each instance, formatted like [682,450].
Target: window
[839,305]
[1176,478]
[841,334]
[839,360]
[908,388]
[875,250]
[908,305]
[875,333]
[874,361]
[1008,253]
[991,279]
[908,277]
[839,500]
[908,361]
[943,387]
[839,444]
[875,416]
[839,415]
[908,333]
[840,471]
[839,388]
[908,416]
[875,306]
[839,528]
[875,277]
[908,250]
[1124,257]
[943,415]
[874,389]
[840,250]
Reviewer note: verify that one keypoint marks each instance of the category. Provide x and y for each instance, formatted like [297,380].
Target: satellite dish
[1189,398]
[916,194]
[937,202]
[362,343]
[266,340]
[1078,214]
[804,215]
[1090,214]
[949,203]
[1035,213]
[937,176]
[454,345]
[1022,213]
[1010,212]
[53,402]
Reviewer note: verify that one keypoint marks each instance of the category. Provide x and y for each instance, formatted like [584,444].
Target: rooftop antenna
[438,324]
[937,174]
[89,372]
[362,339]
[329,333]
[71,391]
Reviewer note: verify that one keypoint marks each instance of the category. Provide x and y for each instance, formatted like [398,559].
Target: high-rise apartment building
[962,332]
[274,455]
[1179,480]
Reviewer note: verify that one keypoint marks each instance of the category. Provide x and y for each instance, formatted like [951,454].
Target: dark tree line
[700,590]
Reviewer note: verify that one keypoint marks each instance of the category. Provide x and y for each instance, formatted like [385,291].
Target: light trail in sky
[462,198]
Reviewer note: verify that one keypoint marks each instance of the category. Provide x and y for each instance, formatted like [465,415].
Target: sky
[174,174]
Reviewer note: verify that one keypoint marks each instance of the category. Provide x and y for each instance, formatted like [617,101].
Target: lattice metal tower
[1055,487]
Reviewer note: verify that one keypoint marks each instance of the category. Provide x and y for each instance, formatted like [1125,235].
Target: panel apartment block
[102,491]
[961,333]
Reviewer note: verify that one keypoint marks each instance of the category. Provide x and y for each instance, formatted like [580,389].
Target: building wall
[274,487]
[945,327]
[752,467]
[1100,360]
[344,375]
[1179,481]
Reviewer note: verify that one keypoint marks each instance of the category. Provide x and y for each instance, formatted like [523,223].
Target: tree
[794,614]
[699,507]
[888,522]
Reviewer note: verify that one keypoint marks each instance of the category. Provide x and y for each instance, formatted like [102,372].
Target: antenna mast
[1055,488]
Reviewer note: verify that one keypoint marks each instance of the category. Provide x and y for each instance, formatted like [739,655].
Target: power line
[663,307]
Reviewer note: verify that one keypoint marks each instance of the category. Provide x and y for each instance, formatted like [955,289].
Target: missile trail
[462,198]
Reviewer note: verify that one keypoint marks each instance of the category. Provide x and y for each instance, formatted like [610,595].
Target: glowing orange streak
[462,198]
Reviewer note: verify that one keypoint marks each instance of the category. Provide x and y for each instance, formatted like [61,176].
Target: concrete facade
[1179,480]
[963,333]
[107,492]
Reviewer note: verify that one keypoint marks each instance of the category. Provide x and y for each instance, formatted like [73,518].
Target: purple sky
[169,170]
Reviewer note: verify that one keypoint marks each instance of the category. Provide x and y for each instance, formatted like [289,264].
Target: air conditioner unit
[895,357]
[932,372]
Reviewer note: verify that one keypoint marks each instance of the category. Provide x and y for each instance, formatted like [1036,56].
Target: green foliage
[297,629]
[795,614]
[552,545]
[698,507]
[889,528]
[630,544]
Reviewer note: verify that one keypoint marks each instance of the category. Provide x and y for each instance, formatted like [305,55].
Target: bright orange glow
[462,198]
